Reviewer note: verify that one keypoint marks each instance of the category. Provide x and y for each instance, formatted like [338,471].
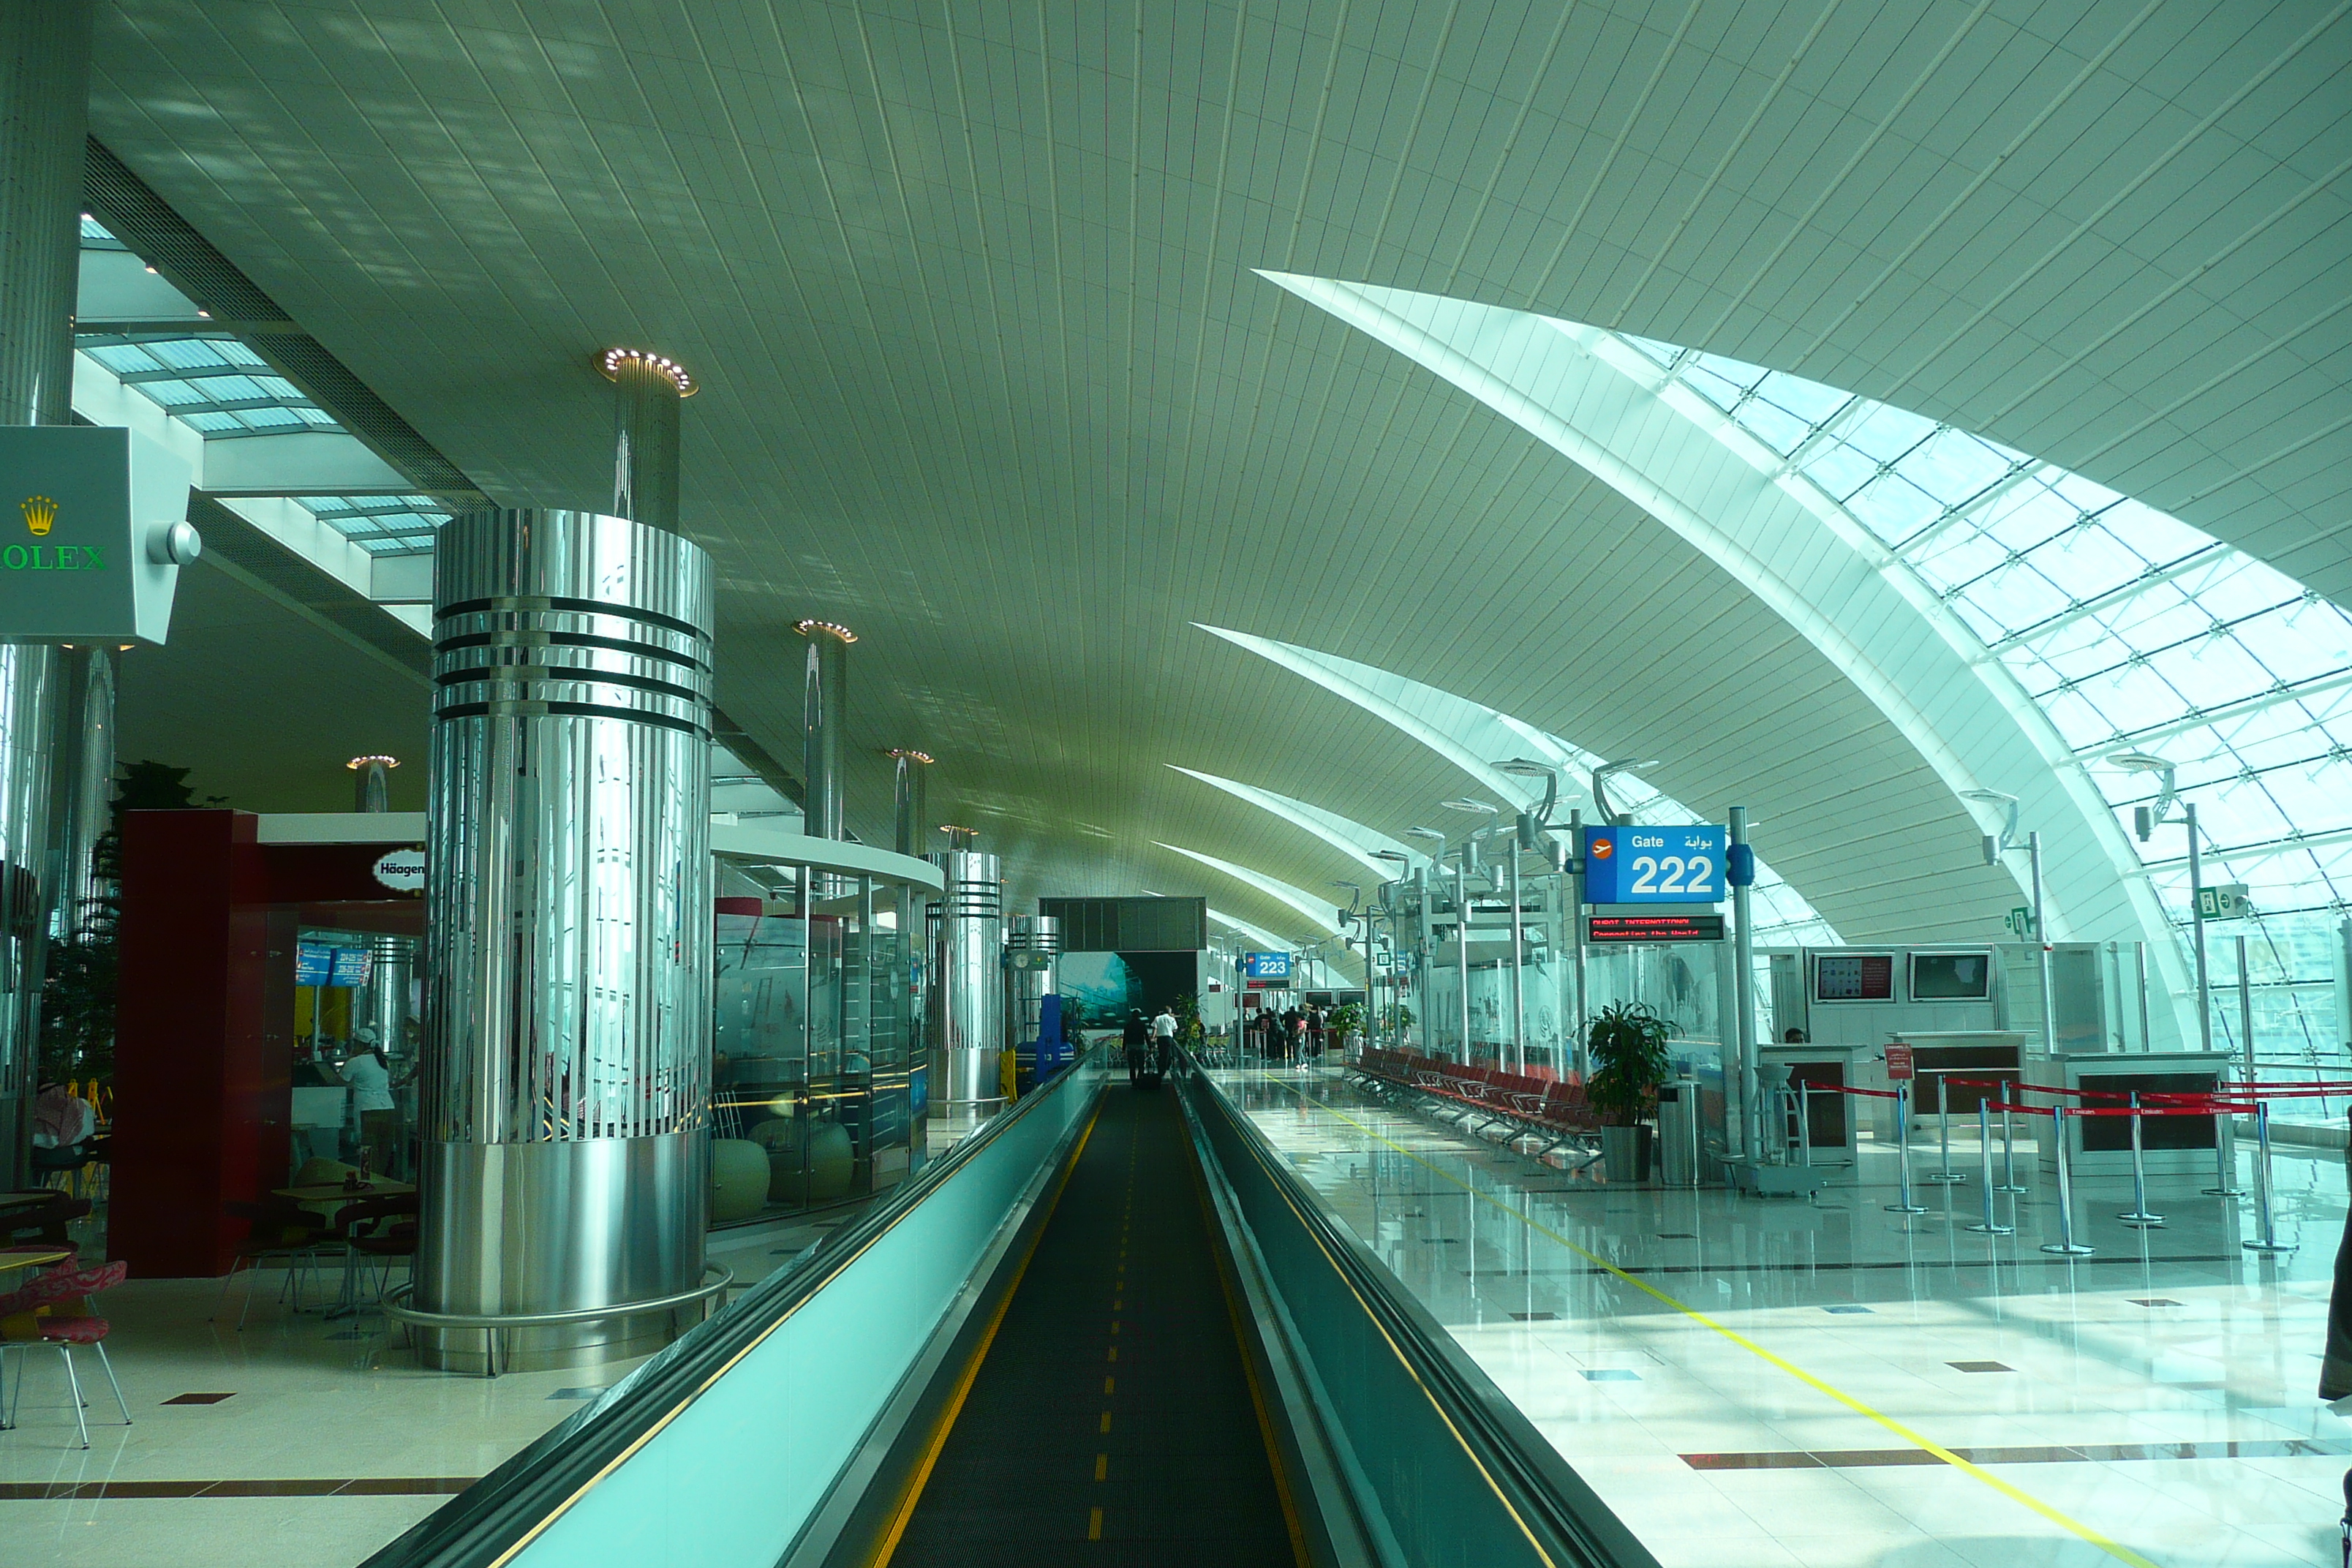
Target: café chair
[63,1332]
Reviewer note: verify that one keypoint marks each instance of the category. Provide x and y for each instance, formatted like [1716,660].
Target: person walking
[1163,1038]
[1135,1036]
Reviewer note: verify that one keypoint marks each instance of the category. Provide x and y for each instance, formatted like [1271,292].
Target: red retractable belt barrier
[1849,1089]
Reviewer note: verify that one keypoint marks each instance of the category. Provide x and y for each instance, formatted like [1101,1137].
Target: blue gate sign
[314,963]
[1637,864]
[1266,966]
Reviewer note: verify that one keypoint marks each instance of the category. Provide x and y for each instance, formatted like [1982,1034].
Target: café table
[326,1198]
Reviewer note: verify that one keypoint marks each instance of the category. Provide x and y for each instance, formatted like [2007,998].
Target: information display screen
[314,963]
[1951,976]
[352,966]
[1605,931]
[1853,977]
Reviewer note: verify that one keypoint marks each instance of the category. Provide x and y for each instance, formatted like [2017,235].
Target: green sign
[2020,920]
[93,531]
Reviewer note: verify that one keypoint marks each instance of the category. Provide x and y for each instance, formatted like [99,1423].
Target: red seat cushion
[73,1331]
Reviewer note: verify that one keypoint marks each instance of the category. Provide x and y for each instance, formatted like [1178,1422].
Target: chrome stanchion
[2268,1241]
[2225,1169]
[2066,1245]
[1903,1152]
[2009,1182]
[1805,1121]
[1984,1159]
[2138,1218]
[1947,1176]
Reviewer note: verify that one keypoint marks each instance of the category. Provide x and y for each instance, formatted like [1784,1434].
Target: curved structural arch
[1595,398]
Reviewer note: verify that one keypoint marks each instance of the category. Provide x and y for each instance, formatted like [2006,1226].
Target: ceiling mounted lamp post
[909,780]
[648,389]
[371,783]
[1610,816]
[823,692]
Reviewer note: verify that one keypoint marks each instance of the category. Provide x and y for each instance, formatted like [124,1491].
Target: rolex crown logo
[40,512]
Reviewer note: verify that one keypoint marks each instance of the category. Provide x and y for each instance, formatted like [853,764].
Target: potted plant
[1348,1023]
[1628,1046]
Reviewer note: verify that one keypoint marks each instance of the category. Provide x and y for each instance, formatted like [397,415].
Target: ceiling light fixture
[907,751]
[616,358]
[810,629]
[358,763]
[1467,804]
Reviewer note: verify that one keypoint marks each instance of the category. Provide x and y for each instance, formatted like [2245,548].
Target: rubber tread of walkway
[1187,1479]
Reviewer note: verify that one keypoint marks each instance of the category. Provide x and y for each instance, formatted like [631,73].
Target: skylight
[219,386]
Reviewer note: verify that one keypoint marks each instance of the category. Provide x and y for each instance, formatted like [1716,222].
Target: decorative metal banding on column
[571,613]
[568,866]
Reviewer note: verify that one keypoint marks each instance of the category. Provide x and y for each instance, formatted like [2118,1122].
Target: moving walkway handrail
[490,1522]
[1455,1472]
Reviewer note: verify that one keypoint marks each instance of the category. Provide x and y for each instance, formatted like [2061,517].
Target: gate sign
[1898,1060]
[1638,864]
[1262,967]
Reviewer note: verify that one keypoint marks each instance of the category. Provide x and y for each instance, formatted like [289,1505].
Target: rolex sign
[93,532]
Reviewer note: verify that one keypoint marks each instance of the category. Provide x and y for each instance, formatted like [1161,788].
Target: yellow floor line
[2114,1549]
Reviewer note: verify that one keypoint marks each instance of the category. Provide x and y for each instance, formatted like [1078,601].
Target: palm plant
[1628,1046]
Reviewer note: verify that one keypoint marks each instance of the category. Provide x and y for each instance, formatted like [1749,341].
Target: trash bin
[1678,1162]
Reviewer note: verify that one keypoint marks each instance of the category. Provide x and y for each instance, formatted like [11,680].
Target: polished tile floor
[331,1442]
[1752,1382]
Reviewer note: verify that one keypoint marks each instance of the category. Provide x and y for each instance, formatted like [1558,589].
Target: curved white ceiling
[989,375]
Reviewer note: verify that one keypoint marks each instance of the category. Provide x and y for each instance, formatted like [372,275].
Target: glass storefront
[817,1075]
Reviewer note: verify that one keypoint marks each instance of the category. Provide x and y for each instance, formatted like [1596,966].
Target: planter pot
[1626,1153]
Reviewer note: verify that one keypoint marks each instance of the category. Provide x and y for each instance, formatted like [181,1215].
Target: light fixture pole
[1429,927]
[2144,822]
[1742,872]
[1469,852]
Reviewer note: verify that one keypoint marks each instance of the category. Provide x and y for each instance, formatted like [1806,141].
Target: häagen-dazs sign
[93,532]
[403,870]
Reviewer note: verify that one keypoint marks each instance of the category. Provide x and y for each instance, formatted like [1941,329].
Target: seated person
[62,1120]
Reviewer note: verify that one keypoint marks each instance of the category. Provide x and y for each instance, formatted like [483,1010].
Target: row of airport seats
[1482,1098]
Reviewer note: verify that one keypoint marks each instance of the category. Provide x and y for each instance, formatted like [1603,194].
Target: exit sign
[2227,902]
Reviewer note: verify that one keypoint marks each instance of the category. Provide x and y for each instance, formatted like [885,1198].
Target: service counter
[2101,1145]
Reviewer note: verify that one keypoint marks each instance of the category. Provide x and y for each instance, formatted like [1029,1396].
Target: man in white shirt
[1163,1037]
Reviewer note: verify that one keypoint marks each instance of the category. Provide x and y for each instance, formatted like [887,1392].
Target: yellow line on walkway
[2016,1494]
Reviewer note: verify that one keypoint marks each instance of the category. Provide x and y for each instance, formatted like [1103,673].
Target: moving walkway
[1110,1327]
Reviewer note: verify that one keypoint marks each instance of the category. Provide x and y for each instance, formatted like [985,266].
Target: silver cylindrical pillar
[968,986]
[910,810]
[648,389]
[371,783]
[1033,958]
[824,689]
[567,1028]
[85,784]
[44,124]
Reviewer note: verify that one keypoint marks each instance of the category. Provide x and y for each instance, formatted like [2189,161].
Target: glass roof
[219,386]
[2135,632]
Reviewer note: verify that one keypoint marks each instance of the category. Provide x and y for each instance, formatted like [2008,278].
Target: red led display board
[1603,930]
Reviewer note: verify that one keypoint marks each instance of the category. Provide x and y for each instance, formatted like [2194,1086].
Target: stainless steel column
[648,389]
[44,123]
[968,986]
[371,783]
[1032,954]
[826,688]
[910,814]
[567,1053]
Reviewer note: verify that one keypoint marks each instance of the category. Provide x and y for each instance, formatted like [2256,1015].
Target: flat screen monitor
[1853,977]
[1951,976]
